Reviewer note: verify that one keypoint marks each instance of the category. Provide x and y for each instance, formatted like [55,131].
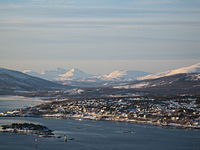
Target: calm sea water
[100,135]
[15,102]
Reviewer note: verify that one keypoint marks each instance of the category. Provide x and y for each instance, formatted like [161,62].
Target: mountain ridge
[188,69]
[77,74]
[173,84]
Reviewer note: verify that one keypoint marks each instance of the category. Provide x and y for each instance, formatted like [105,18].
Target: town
[181,112]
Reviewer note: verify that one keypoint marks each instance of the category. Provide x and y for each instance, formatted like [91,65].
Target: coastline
[170,125]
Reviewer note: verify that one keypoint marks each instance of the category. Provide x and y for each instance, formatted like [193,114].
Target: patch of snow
[137,85]
[114,74]
[194,77]
[74,91]
[26,71]
[73,74]
[127,75]
[190,69]
[68,74]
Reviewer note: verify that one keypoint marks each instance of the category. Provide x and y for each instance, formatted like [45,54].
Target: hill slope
[187,83]
[189,69]
[12,81]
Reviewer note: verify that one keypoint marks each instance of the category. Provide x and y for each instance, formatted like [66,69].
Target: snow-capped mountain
[113,75]
[63,75]
[124,75]
[12,81]
[60,74]
[189,69]
[74,74]
[163,81]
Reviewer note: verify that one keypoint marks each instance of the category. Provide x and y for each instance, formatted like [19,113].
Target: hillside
[186,83]
[14,81]
[189,69]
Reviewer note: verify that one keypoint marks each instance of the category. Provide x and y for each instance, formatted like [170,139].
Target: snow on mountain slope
[138,85]
[184,80]
[60,74]
[190,69]
[114,74]
[73,74]
[124,75]
[64,76]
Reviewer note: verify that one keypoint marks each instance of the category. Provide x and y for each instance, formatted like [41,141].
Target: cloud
[114,29]
[95,22]
[156,2]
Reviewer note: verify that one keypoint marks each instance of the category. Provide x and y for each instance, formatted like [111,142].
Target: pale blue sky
[88,34]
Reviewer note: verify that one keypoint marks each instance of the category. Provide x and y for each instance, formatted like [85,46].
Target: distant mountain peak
[124,75]
[70,73]
[73,73]
[114,74]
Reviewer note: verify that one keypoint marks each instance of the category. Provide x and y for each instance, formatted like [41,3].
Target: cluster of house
[177,112]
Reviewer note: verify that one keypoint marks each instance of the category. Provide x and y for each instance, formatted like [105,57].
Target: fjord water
[15,102]
[100,135]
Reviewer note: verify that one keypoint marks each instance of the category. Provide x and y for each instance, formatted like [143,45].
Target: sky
[99,36]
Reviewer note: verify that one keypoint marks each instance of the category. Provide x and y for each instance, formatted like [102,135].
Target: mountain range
[66,76]
[177,81]
[74,74]
[173,81]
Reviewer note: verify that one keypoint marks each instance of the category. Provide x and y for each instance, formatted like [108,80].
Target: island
[28,128]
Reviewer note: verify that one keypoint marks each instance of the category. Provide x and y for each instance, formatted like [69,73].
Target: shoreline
[170,125]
